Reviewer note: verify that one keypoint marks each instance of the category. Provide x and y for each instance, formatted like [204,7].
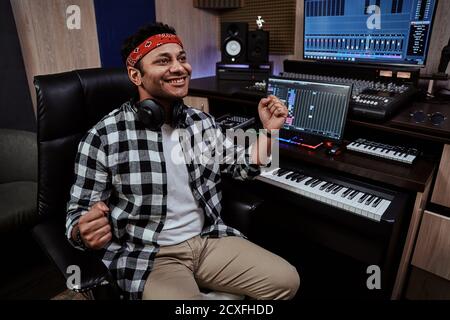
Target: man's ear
[134,75]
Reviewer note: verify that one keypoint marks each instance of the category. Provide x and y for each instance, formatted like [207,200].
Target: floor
[69,295]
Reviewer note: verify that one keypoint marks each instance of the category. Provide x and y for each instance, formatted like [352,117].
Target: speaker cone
[233,48]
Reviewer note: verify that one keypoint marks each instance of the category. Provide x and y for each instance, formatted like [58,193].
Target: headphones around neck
[152,114]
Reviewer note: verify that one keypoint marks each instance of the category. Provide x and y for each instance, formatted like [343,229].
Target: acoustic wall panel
[279,20]
[218,4]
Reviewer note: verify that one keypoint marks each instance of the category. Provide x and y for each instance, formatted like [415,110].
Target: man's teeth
[176,80]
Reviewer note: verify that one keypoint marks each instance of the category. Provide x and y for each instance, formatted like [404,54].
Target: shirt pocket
[138,173]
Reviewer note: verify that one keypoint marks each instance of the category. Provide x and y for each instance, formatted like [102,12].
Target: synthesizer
[382,150]
[371,99]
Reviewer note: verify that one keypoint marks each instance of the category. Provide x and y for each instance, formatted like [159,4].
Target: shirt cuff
[72,225]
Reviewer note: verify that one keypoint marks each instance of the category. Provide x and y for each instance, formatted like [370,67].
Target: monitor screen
[314,108]
[368,31]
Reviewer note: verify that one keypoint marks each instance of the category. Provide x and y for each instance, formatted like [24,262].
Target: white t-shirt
[185,217]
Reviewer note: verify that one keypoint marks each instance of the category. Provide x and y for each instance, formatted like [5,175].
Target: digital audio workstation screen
[313,107]
[375,31]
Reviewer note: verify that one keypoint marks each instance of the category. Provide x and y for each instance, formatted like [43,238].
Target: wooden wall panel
[432,251]
[48,46]
[199,31]
[441,191]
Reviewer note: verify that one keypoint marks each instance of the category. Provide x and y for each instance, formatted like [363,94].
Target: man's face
[166,72]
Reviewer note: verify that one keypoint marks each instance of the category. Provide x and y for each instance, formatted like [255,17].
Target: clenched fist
[94,227]
[272,112]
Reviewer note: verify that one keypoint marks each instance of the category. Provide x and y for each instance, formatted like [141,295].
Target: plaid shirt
[121,163]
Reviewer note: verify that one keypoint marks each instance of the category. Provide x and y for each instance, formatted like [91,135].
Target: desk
[229,97]
[400,124]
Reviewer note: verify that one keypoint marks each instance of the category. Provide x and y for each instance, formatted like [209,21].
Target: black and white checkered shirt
[121,163]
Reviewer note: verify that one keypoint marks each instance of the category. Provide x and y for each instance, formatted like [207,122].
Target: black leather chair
[68,104]
[18,181]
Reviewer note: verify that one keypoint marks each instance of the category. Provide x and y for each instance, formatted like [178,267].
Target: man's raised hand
[272,112]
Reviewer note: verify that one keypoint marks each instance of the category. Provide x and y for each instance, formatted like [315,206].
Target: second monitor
[317,111]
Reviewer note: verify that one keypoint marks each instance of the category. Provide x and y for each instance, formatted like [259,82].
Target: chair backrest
[69,104]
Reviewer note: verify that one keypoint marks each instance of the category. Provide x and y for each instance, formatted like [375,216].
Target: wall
[117,20]
[45,38]
[199,30]
[48,46]
[16,110]
[298,49]
[203,45]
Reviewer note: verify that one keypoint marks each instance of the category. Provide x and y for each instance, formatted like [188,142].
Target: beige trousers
[229,264]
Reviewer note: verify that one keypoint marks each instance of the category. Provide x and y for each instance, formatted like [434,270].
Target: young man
[156,220]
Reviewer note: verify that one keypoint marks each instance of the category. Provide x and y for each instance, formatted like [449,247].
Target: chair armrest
[240,205]
[51,238]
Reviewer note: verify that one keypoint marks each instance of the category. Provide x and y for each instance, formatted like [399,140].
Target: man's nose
[177,66]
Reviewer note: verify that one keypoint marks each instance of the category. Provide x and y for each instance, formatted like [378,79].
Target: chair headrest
[72,102]
[68,105]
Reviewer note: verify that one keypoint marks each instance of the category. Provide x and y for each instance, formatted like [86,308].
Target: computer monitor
[316,110]
[386,32]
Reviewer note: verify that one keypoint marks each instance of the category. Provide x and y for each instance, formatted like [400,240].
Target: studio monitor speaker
[234,41]
[258,46]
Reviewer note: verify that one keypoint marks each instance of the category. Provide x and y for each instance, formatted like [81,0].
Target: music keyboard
[381,150]
[349,197]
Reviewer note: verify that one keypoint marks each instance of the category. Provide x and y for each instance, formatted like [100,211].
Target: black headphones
[152,114]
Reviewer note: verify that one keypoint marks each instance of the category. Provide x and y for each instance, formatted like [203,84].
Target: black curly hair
[143,33]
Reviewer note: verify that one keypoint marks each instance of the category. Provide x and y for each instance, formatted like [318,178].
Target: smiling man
[156,220]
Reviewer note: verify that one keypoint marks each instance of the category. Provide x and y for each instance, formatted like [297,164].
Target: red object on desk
[314,147]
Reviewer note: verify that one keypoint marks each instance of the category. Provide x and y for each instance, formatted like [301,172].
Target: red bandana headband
[148,45]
